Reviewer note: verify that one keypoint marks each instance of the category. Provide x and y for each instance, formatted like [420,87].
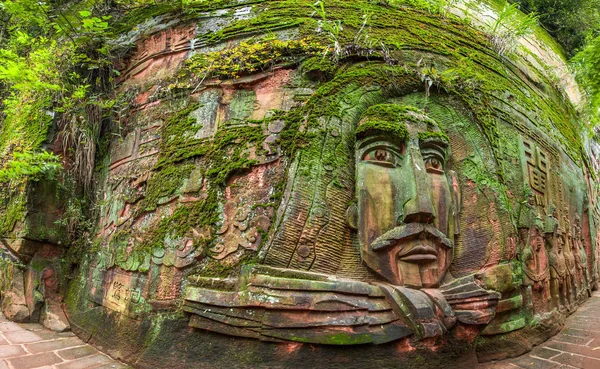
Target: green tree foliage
[54,64]
[570,22]
[587,67]
[32,165]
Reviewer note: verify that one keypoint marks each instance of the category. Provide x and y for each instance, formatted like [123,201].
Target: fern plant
[331,28]
[509,27]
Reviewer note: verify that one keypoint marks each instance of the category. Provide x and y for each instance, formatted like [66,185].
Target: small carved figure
[551,226]
[511,247]
[556,258]
[580,259]
[527,217]
[535,266]
[571,270]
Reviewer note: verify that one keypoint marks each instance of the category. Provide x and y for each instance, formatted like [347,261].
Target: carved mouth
[408,232]
[419,254]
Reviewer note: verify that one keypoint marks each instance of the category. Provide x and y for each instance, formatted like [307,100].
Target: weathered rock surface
[284,193]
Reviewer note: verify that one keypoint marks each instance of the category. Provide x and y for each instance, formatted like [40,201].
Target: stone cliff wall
[230,197]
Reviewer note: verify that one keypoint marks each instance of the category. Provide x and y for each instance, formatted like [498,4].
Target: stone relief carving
[557,261]
[581,260]
[371,232]
[537,170]
[239,229]
[407,202]
[535,265]
[328,202]
[402,223]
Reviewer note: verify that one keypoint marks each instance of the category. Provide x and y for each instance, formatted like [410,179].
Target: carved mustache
[408,232]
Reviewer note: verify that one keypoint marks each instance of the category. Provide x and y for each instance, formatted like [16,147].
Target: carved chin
[416,263]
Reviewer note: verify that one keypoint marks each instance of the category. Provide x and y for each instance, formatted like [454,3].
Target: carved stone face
[559,244]
[406,196]
[537,239]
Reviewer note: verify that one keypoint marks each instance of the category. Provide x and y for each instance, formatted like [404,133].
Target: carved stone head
[537,238]
[578,231]
[407,200]
[560,242]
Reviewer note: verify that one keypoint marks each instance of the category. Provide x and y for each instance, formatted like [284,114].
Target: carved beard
[414,254]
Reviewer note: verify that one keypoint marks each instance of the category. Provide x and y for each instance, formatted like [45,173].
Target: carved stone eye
[380,156]
[434,164]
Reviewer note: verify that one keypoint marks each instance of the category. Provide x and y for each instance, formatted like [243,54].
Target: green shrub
[570,22]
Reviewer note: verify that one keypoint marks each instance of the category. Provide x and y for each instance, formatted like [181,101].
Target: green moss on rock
[385,118]
[426,135]
[319,67]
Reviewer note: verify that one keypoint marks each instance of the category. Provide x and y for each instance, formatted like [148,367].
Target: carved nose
[419,209]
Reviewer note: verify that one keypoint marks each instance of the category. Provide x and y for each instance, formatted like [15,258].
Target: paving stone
[66,334]
[581,332]
[40,348]
[586,312]
[581,327]
[578,361]
[576,340]
[498,365]
[35,361]
[586,321]
[9,327]
[544,352]
[583,315]
[116,365]
[574,321]
[77,352]
[32,326]
[575,349]
[47,334]
[86,362]
[529,362]
[60,344]
[21,337]
[11,351]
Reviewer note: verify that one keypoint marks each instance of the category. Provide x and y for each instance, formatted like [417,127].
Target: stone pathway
[28,346]
[576,346]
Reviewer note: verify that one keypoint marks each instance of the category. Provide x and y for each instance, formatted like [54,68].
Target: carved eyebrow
[372,137]
[376,138]
[434,143]
[434,138]
[382,128]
